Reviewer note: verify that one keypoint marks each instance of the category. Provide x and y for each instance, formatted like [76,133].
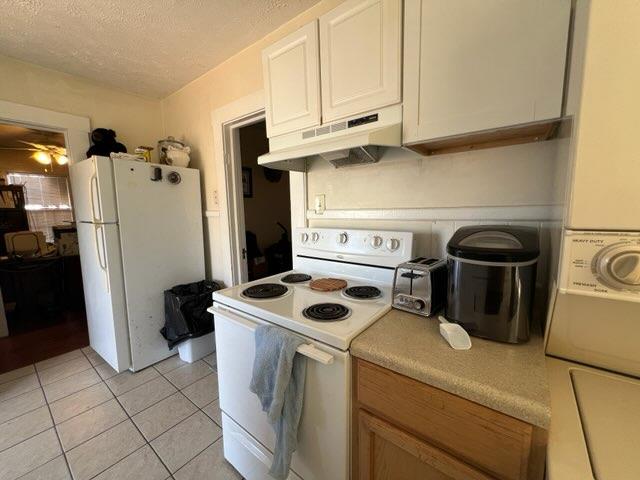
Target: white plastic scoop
[454,334]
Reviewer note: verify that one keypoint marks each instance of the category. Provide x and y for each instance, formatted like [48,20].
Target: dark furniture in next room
[13,216]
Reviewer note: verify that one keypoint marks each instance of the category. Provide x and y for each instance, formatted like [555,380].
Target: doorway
[266,205]
[226,229]
[42,310]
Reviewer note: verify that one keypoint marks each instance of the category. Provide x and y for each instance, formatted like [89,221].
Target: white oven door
[323,435]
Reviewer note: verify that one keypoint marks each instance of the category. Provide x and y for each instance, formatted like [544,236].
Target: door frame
[226,122]
[75,128]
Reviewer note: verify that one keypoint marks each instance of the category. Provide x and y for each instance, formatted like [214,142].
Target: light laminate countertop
[511,379]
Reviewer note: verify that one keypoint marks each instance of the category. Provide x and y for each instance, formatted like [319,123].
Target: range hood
[352,141]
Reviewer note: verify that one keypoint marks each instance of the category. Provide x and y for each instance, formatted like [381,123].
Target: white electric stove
[329,321]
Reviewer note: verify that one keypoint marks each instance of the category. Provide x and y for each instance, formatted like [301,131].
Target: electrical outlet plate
[319,204]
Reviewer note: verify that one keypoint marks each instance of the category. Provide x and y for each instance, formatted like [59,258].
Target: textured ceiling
[151,47]
[13,136]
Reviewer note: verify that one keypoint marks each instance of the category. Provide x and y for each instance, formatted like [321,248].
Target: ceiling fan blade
[38,146]
[22,149]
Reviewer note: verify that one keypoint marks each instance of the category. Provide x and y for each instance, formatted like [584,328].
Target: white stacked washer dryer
[366,260]
[593,332]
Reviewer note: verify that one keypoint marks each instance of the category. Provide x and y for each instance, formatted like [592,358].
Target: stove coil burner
[265,290]
[326,312]
[296,278]
[363,292]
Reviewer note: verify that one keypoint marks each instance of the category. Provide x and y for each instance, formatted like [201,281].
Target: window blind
[47,200]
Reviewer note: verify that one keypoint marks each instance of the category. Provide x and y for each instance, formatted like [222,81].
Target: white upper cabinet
[360,57]
[473,65]
[292,82]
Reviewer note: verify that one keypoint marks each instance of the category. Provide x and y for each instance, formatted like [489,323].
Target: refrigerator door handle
[93,192]
[102,256]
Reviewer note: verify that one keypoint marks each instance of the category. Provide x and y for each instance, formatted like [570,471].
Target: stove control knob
[315,236]
[376,241]
[343,238]
[304,237]
[393,244]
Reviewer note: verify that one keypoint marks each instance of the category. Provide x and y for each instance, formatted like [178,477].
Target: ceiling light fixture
[42,157]
[61,159]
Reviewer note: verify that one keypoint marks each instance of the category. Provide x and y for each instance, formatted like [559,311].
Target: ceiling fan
[44,154]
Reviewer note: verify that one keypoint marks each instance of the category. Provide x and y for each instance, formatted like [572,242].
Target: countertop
[511,379]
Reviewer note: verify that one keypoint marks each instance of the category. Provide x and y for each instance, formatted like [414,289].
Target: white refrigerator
[140,233]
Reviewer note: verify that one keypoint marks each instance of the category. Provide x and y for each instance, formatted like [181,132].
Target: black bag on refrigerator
[185,311]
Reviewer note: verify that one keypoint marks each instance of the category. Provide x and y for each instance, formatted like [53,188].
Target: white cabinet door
[292,82]
[360,57]
[474,65]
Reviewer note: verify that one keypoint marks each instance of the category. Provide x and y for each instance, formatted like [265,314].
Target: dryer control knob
[618,266]
[315,236]
[304,237]
[343,238]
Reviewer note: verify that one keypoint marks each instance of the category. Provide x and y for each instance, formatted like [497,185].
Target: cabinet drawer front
[496,443]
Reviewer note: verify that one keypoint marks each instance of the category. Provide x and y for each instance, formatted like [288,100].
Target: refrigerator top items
[491,282]
[137,238]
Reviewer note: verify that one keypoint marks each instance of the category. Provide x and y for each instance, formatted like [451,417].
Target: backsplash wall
[434,196]
[507,176]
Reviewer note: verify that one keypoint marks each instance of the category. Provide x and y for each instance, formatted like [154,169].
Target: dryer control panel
[602,264]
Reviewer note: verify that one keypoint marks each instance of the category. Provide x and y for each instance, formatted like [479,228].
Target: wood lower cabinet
[405,430]
[386,452]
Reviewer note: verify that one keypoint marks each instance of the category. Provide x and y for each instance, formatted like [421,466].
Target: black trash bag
[185,311]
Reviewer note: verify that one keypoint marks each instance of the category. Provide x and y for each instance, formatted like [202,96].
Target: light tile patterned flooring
[73,416]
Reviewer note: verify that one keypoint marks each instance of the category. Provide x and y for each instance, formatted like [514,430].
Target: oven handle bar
[308,350]
[318,355]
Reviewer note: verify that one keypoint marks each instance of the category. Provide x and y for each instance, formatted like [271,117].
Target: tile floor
[73,416]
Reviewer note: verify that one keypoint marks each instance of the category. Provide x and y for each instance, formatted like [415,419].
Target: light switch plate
[319,204]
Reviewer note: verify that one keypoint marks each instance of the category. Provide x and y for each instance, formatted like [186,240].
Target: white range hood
[356,140]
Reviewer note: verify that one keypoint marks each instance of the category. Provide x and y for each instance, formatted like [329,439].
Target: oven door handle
[308,350]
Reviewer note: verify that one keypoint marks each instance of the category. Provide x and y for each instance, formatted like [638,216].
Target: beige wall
[187,116]
[187,112]
[136,120]
[270,202]
[510,176]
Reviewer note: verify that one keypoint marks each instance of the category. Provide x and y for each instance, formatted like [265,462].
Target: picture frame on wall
[247,182]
